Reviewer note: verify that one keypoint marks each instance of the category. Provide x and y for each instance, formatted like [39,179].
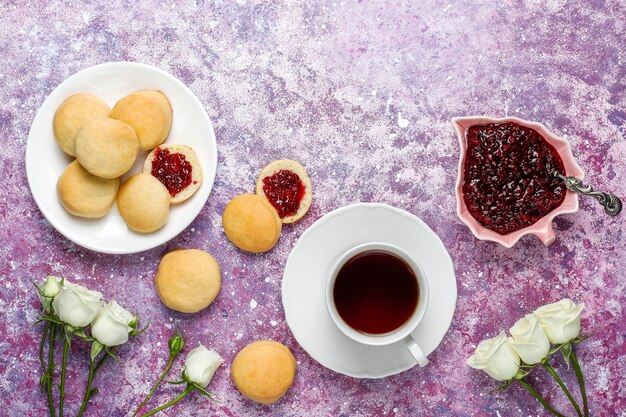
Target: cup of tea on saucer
[377,294]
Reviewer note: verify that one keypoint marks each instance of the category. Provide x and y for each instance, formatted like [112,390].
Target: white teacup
[403,332]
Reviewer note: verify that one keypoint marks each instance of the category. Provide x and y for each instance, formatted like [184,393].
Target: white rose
[560,321]
[529,340]
[111,325]
[76,305]
[200,365]
[496,357]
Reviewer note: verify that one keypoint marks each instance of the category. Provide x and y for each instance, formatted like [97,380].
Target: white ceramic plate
[304,280]
[45,161]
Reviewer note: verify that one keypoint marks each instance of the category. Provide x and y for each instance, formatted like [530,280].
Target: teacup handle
[416,351]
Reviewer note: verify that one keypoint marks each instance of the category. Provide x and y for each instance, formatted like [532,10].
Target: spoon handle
[612,204]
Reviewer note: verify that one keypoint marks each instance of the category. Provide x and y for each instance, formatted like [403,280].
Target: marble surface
[361,94]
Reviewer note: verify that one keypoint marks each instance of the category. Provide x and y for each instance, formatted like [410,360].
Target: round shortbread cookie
[164,102]
[146,116]
[144,203]
[263,371]
[270,182]
[251,223]
[106,147]
[171,172]
[188,280]
[72,115]
[85,195]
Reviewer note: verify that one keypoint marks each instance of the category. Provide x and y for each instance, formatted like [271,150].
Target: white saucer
[303,287]
[45,161]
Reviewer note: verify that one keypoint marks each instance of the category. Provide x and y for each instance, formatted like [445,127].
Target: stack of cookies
[106,142]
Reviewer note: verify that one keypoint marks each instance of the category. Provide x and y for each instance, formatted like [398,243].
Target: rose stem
[47,375]
[42,346]
[540,398]
[581,382]
[83,406]
[563,387]
[102,361]
[66,348]
[51,369]
[165,371]
[174,401]
[93,370]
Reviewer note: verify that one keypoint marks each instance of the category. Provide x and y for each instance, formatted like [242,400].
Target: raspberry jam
[507,186]
[285,191]
[172,169]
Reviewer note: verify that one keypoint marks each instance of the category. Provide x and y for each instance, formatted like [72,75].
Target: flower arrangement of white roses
[534,339]
[72,310]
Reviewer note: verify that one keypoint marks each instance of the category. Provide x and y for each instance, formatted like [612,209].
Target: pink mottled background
[361,94]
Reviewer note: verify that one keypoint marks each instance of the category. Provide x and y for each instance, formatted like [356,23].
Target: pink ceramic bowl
[543,227]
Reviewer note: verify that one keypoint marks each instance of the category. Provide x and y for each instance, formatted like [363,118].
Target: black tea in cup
[376,292]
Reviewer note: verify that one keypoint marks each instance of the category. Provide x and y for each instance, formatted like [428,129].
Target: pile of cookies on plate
[106,143]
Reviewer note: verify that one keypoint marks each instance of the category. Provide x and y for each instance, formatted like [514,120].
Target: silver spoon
[612,204]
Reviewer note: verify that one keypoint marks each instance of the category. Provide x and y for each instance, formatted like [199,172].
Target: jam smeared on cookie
[285,191]
[507,185]
[172,169]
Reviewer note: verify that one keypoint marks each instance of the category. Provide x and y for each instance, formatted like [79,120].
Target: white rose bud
[496,357]
[52,287]
[529,340]
[560,321]
[76,305]
[111,325]
[200,365]
[47,290]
